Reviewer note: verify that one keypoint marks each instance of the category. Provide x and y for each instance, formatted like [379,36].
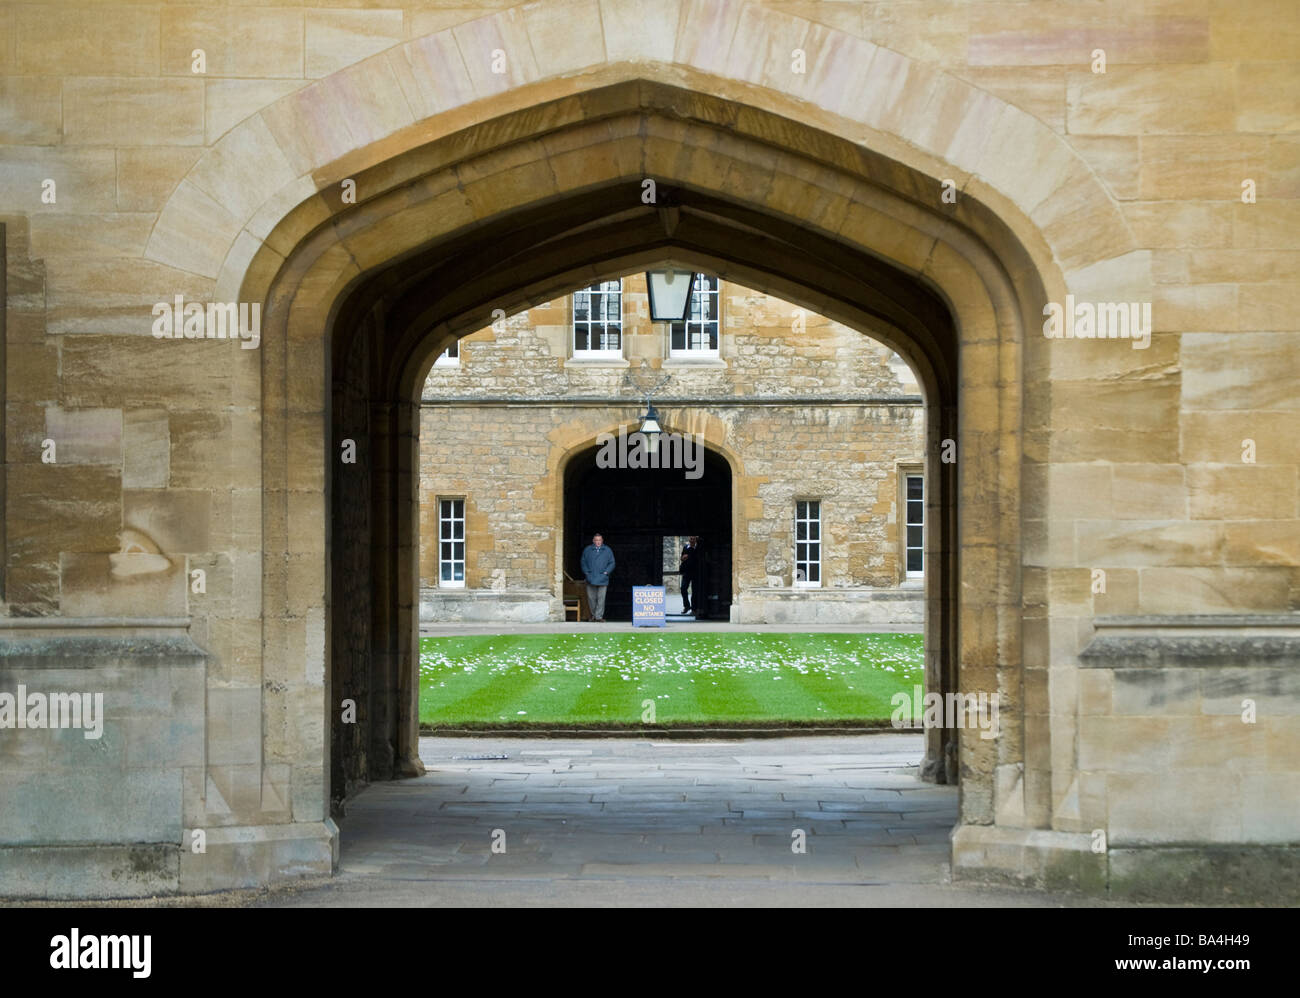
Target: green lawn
[692,678]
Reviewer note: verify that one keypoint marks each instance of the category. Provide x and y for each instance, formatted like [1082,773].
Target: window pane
[700,330]
[914,487]
[801,531]
[914,560]
[915,510]
[914,537]
[814,572]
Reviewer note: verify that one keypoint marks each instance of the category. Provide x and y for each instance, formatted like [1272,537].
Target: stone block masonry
[1004,170]
[825,414]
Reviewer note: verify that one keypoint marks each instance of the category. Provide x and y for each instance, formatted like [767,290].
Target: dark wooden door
[634,509]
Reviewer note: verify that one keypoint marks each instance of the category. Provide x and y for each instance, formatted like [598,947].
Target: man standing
[597,563]
[690,569]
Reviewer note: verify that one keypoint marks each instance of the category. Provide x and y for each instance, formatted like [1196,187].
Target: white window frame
[449,357]
[804,506]
[604,288]
[908,522]
[694,324]
[447,520]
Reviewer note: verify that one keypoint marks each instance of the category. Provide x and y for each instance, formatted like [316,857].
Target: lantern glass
[670,294]
[651,429]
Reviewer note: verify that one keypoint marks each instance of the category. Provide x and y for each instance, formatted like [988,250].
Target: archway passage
[555,203]
[637,510]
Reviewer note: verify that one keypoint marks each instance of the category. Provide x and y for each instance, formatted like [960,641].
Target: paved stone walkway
[620,822]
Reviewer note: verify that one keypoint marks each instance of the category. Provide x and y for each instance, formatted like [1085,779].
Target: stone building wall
[506,458]
[1169,179]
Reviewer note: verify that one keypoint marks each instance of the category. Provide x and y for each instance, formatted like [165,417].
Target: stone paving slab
[612,821]
[713,809]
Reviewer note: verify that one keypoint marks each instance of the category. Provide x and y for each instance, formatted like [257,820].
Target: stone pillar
[406,647]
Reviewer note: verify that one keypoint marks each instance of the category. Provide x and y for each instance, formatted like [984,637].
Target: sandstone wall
[1174,469]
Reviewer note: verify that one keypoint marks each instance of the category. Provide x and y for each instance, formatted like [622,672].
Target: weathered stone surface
[1122,186]
[1243,492]
[99,112]
[228,102]
[146,447]
[1119,103]
[96,790]
[338,38]
[81,41]
[90,871]
[83,179]
[250,43]
[30,110]
[85,436]
[122,585]
[1226,875]
[177,520]
[147,177]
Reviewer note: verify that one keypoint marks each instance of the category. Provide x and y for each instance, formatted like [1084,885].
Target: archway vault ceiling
[535,249]
[534,256]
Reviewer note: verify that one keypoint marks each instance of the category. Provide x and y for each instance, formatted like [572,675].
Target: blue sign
[648,606]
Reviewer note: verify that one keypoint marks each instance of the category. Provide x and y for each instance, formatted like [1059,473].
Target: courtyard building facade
[792,445]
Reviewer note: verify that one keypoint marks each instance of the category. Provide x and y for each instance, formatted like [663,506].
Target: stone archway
[549,163]
[388,328]
[539,251]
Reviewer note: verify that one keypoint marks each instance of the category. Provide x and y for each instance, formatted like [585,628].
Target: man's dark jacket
[690,565]
[597,563]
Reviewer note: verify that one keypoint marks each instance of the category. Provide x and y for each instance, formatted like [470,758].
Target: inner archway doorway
[642,514]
